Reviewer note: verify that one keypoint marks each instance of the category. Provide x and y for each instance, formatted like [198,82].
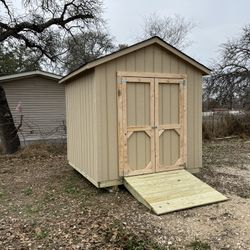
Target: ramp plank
[171,191]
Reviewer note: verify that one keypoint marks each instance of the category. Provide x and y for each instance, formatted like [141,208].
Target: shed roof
[28,74]
[132,48]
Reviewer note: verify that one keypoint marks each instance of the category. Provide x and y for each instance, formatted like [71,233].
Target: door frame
[121,109]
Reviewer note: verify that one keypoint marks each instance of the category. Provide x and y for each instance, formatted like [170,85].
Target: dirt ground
[45,204]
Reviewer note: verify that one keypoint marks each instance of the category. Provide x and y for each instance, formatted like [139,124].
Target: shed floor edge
[115,182]
[84,174]
[98,184]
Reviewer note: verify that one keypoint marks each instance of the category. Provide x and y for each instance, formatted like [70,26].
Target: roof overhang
[29,74]
[114,55]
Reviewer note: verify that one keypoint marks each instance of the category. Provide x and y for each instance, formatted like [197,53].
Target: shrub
[222,125]
[199,245]
[43,150]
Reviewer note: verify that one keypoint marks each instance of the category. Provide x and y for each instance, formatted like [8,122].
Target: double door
[151,123]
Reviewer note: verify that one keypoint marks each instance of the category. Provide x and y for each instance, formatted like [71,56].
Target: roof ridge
[29,74]
[135,47]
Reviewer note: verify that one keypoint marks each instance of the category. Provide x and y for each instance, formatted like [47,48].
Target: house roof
[29,74]
[132,48]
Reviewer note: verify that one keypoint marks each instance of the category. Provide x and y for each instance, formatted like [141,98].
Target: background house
[41,101]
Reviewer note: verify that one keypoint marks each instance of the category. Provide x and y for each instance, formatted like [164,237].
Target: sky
[215,21]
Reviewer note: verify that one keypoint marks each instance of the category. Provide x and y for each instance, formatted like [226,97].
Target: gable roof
[132,48]
[28,74]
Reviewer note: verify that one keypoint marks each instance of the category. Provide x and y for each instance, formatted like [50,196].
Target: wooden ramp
[171,191]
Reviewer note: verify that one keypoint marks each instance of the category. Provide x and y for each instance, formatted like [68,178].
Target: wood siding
[81,126]
[150,59]
[43,104]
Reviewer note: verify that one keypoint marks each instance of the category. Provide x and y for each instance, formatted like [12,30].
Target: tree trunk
[231,102]
[8,132]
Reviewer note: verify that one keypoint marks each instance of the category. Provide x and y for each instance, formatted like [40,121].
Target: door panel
[139,150]
[168,103]
[138,120]
[138,104]
[169,147]
[169,124]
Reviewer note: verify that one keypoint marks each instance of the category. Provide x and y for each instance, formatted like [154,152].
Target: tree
[247,99]
[41,28]
[8,132]
[16,59]
[173,30]
[85,47]
[44,21]
[122,46]
[230,78]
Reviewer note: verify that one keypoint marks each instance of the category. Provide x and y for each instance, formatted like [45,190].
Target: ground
[45,204]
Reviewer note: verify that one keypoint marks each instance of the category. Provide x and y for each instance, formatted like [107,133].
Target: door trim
[151,74]
[123,136]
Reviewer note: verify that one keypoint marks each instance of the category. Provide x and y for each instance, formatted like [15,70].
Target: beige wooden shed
[135,111]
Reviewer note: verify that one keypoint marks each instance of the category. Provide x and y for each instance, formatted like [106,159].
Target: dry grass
[221,125]
[40,150]
[226,166]
[45,204]
[43,150]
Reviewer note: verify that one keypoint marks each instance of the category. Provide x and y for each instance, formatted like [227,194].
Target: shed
[135,111]
[43,104]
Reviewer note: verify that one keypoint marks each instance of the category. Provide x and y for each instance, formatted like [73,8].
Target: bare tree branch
[7,8]
[85,47]
[48,16]
[173,30]
[230,79]
[39,28]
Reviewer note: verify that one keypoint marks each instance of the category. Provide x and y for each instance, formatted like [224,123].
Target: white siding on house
[43,105]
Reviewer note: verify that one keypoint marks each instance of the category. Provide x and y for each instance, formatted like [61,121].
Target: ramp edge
[128,183]
[136,195]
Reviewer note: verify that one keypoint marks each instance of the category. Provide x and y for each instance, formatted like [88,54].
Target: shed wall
[43,104]
[81,125]
[150,59]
